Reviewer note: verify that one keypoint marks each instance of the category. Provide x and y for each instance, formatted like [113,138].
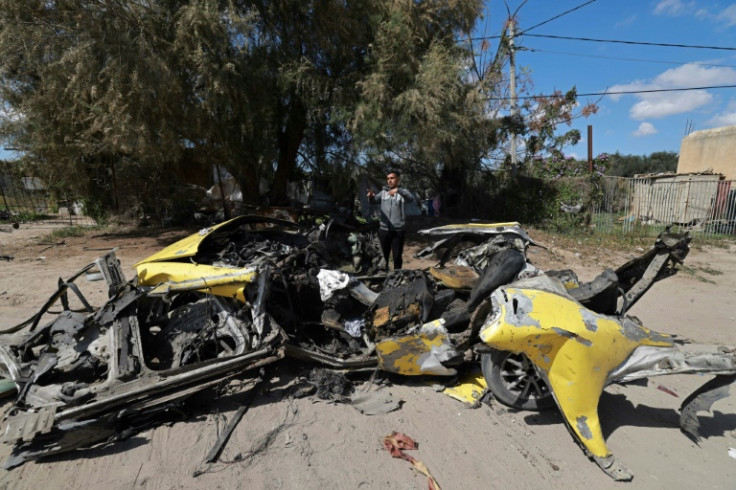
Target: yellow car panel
[470,389]
[182,276]
[576,349]
[186,247]
[414,355]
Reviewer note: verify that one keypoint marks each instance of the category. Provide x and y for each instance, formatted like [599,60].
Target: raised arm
[408,196]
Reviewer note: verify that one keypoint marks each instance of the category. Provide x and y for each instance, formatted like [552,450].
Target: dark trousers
[392,242]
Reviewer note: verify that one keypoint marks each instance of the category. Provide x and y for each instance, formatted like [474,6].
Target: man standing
[391,230]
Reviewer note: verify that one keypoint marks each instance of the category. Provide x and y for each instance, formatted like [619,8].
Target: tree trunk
[452,186]
[248,179]
[289,140]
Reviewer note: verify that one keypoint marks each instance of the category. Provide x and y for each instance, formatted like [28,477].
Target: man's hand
[393,191]
[369,193]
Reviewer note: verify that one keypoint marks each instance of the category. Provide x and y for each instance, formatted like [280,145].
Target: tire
[514,381]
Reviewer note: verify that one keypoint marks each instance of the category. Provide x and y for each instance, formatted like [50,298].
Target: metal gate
[27,199]
[702,204]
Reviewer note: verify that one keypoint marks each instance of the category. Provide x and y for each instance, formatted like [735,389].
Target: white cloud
[627,21]
[679,8]
[725,118]
[728,16]
[673,7]
[693,74]
[645,129]
[660,104]
[667,104]
[702,14]
[628,87]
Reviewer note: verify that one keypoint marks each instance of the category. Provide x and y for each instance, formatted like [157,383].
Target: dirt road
[303,443]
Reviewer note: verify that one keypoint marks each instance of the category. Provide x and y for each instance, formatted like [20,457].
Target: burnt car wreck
[251,291]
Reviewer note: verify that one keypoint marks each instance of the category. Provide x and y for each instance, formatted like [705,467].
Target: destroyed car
[87,376]
[249,291]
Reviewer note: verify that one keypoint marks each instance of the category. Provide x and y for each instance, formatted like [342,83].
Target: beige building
[709,150]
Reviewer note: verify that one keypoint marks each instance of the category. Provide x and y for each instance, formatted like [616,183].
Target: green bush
[95,209]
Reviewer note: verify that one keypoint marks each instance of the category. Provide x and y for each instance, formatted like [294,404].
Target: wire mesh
[27,199]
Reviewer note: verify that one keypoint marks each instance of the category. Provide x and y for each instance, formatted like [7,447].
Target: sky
[636,124]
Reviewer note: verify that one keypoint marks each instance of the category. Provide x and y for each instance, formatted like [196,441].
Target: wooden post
[590,149]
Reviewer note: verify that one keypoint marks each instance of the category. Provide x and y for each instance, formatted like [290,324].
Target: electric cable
[557,16]
[618,58]
[639,43]
[622,92]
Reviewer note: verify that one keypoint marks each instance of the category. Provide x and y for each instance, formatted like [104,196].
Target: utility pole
[512,93]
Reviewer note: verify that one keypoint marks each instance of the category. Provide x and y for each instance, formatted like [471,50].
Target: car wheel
[514,381]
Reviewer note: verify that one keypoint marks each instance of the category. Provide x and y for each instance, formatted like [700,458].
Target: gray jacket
[392,208]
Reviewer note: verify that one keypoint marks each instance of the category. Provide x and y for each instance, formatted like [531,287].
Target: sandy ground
[305,443]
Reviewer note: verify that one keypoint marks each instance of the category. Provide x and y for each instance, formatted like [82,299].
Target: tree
[85,83]
[418,108]
[630,165]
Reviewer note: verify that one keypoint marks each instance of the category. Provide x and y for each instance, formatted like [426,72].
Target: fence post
[2,191]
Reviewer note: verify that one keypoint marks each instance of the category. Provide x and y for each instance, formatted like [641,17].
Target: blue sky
[636,124]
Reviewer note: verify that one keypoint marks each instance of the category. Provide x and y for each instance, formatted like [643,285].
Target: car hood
[189,246]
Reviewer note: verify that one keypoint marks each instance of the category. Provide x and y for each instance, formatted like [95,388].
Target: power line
[641,43]
[535,50]
[558,16]
[481,38]
[623,92]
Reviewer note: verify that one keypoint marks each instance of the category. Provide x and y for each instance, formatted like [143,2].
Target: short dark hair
[391,171]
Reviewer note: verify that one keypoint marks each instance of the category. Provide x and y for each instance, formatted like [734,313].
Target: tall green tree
[83,82]
[417,108]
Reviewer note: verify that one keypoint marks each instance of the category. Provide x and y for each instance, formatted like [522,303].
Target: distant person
[391,231]
[428,202]
[436,205]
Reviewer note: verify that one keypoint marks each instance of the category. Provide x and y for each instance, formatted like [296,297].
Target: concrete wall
[709,150]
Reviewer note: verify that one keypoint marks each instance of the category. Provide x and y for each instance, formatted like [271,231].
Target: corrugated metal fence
[703,204]
[26,199]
